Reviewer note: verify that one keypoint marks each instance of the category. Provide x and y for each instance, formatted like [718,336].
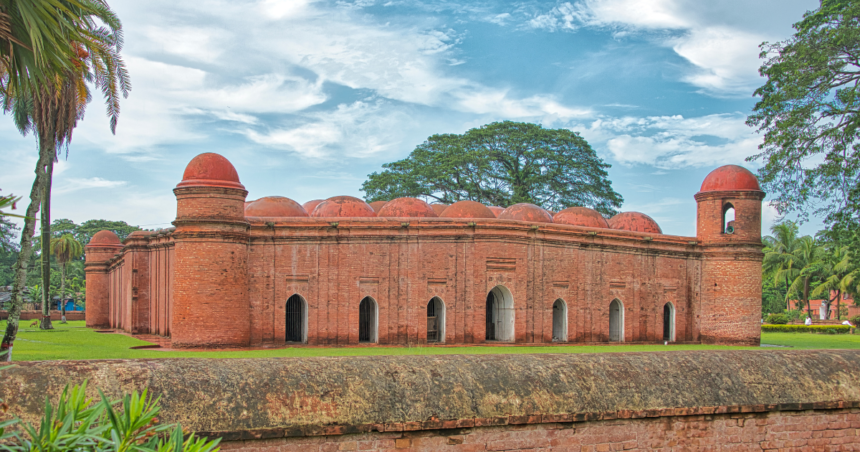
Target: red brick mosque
[339,271]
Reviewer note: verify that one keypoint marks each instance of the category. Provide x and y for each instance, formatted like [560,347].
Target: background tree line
[69,273]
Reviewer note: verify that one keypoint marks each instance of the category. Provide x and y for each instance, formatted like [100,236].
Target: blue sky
[308,97]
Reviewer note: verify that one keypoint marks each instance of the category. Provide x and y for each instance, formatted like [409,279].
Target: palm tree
[839,278]
[779,258]
[64,249]
[44,84]
[808,257]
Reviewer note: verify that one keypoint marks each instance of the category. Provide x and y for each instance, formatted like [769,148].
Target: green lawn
[808,340]
[74,341]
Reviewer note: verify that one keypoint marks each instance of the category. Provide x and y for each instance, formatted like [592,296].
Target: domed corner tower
[211,307]
[102,248]
[728,229]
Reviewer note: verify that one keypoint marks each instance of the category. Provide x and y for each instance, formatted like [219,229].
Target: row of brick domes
[351,207]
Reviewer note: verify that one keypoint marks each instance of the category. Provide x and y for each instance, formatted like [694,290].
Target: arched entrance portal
[559,321]
[500,315]
[367,313]
[296,320]
[616,321]
[669,322]
[436,320]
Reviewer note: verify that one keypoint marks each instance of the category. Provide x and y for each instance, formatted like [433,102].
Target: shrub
[794,315]
[855,320]
[130,424]
[826,329]
[777,319]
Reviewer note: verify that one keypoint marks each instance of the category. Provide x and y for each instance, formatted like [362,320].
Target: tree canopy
[501,164]
[809,113]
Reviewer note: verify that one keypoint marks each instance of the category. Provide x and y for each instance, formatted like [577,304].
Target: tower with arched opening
[731,255]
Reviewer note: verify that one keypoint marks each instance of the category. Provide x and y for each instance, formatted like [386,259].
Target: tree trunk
[838,304]
[46,247]
[20,267]
[806,297]
[63,290]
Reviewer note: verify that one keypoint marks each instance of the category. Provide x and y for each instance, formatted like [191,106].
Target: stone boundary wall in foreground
[722,400]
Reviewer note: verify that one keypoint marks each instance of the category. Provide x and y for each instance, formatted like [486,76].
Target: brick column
[211,306]
[103,247]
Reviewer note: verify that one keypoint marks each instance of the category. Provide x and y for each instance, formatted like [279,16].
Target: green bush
[826,329]
[130,424]
[795,314]
[855,320]
[777,319]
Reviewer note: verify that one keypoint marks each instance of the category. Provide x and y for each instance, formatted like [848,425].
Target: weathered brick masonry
[223,276]
[703,400]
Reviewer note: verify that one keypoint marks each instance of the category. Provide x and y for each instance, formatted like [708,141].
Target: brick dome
[581,216]
[467,209]
[311,205]
[406,207]
[526,212]
[377,205]
[343,206]
[210,170]
[731,178]
[275,206]
[496,210]
[439,208]
[634,221]
[105,238]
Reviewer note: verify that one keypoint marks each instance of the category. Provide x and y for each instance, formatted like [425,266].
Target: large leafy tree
[500,164]
[45,84]
[809,113]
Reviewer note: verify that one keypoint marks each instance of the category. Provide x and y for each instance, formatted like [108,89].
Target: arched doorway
[296,320]
[669,322]
[436,320]
[500,315]
[367,313]
[559,321]
[616,321]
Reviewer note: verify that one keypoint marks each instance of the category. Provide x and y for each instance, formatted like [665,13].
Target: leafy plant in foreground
[78,423]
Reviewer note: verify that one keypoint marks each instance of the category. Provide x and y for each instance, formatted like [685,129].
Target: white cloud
[360,129]
[714,37]
[75,184]
[672,142]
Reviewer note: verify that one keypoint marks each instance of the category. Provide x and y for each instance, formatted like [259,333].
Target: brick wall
[801,430]
[55,315]
[402,268]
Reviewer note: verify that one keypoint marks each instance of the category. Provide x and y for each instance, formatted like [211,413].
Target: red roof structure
[581,216]
[210,170]
[407,207]
[731,178]
[636,222]
[275,206]
[343,206]
[526,212]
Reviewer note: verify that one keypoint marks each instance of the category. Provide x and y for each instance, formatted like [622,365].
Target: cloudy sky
[308,97]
